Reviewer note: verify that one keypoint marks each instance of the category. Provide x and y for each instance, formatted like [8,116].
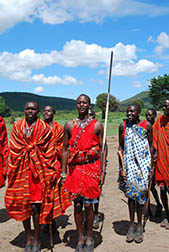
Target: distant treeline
[16,101]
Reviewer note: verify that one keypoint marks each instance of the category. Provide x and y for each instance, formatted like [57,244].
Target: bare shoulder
[98,125]
[149,126]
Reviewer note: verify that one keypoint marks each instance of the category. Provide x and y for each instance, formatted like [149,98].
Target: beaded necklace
[28,130]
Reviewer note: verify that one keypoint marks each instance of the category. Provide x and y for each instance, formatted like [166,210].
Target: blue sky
[62,48]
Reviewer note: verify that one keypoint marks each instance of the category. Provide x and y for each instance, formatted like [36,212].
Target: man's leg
[27,227]
[89,220]
[36,215]
[96,215]
[78,206]
[164,199]
[130,233]
[139,214]
[139,231]
[131,205]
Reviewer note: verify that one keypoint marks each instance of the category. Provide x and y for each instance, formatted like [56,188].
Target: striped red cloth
[161,144]
[3,152]
[37,154]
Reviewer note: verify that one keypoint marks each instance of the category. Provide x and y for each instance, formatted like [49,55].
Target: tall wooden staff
[107,108]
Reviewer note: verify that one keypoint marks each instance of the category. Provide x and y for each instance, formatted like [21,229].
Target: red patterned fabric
[38,155]
[84,163]
[3,152]
[161,144]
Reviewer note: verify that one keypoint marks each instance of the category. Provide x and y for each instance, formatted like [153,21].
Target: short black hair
[137,106]
[153,111]
[54,111]
[89,100]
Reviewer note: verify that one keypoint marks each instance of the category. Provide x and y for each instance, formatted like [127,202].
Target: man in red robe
[3,152]
[62,196]
[161,156]
[82,146]
[32,175]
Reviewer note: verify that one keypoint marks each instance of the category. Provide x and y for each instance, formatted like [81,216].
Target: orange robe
[161,144]
[37,155]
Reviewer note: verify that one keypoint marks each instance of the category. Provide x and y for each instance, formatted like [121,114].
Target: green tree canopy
[101,99]
[4,109]
[158,90]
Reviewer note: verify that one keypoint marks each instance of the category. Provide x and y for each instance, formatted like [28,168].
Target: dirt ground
[113,226]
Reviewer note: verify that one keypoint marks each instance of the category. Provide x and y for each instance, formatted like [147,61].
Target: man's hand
[102,179]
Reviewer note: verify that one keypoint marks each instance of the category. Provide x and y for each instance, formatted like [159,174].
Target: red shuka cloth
[161,144]
[83,179]
[3,151]
[37,155]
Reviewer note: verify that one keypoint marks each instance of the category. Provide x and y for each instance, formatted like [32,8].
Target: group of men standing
[50,166]
[39,184]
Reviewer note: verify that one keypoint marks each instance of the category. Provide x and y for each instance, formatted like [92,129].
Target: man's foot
[96,221]
[139,235]
[164,222]
[36,248]
[29,245]
[130,234]
[158,210]
[89,247]
[80,247]
[28,248]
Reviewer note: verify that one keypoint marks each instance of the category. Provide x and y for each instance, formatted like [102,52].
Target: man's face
[165,106]
[48,114]
[132,114]
[31,112]
[83,105]
[150,116]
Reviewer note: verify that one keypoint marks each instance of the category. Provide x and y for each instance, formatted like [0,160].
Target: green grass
[114,120]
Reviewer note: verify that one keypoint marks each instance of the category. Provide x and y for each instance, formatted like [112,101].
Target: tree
[158,90]
[4,109]
[101,99]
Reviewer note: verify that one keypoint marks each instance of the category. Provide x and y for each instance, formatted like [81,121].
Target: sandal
[164,222]
[80,247]
[139,235]
[90,247]
[36,248]
[130,234]
[28,248]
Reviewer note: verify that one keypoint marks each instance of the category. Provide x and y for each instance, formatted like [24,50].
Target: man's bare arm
[65,151]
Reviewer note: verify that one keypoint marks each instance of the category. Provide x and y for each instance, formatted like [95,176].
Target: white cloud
[163,41]
[39,89]
[54,80]
[137,84]
[60,11]
[19,66]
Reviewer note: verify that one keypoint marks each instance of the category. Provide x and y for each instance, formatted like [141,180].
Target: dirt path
[111,234]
